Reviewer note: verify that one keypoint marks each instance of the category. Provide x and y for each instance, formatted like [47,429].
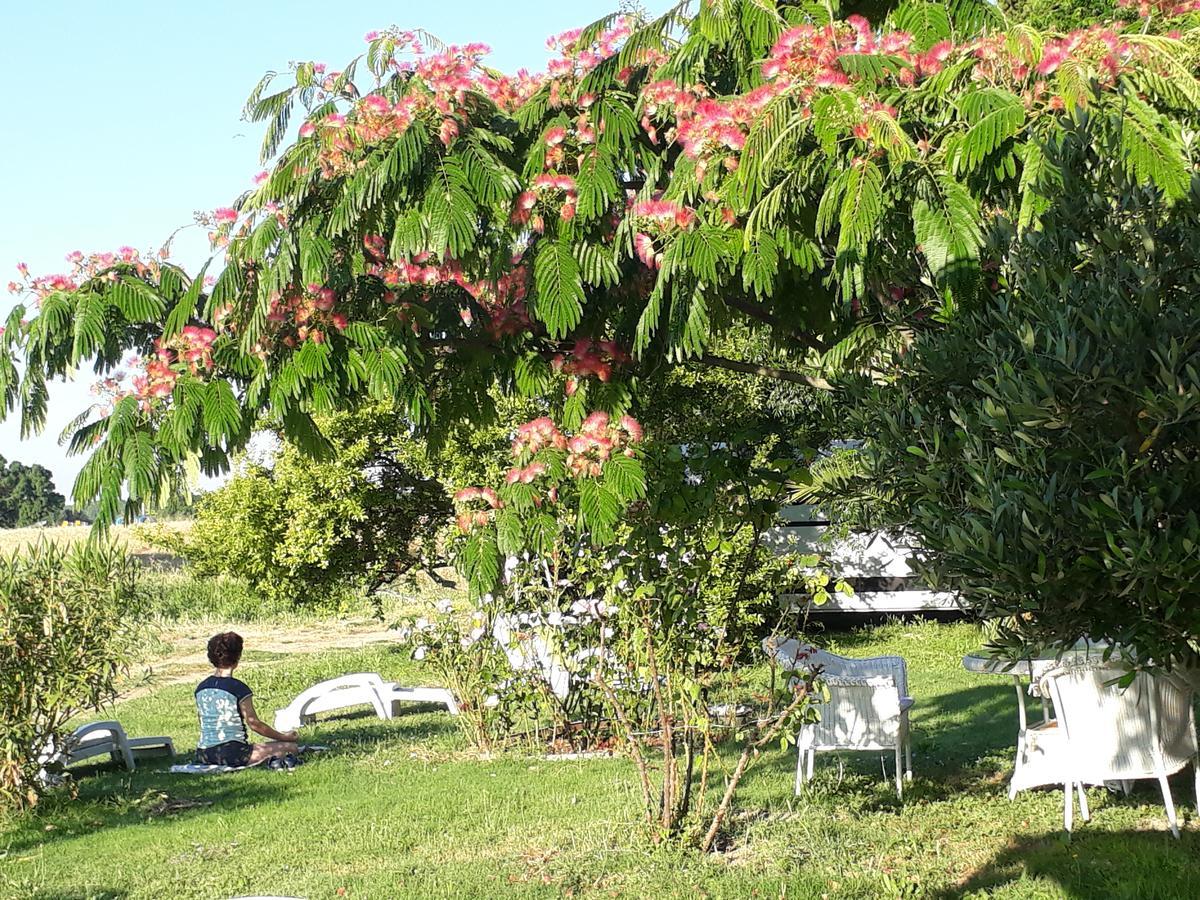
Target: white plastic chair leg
[899,772]
[126,754]
[1068,806]
[812,762]
[1012,782]
[1084,813]
[907,758]
[1196,773]
[1168,803]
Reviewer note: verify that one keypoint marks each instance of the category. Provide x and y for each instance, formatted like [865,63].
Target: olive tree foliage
[64,617]
[1044,444]
[436,230]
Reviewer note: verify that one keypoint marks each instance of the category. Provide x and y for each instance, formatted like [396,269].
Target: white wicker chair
[1107,733]
[867,708]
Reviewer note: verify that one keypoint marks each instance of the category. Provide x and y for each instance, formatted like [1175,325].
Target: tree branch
[734,365]
[748,753]
[758,311]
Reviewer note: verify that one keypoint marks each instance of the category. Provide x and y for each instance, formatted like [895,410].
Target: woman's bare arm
[258,726]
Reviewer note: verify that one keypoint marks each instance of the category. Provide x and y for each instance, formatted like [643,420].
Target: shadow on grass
[1141,864]
[142,798]
[109,797]
[363,728]
[954,729]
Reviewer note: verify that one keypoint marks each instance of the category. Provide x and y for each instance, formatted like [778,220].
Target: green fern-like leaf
[600,509]
[993,116]
[90,314]
[858,218]
[187,306]
[928,23]
[559,288]
[625,477]
[1153,151]
[140,467]
[1167,74]
[222,415]
[1038,178]
[946,227]
[137,301]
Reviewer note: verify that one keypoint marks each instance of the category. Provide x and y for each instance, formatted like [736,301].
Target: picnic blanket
[202,769]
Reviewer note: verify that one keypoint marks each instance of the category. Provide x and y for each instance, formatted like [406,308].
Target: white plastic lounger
[394,694]
[359,689]
[100,739]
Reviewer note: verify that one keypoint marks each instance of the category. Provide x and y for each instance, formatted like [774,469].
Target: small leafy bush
[309,532]
[63,615]
[494,700]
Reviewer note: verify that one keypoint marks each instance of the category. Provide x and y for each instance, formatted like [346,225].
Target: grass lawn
[404,809]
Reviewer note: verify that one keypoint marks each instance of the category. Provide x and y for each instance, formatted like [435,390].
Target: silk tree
[436,228]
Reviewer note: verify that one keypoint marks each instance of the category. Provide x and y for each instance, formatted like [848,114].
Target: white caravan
[875,564]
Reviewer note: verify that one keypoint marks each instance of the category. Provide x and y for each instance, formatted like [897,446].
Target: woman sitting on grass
[225,707]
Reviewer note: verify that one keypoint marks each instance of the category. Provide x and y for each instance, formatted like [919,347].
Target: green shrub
[315,533]
[1044,444]
[62,643]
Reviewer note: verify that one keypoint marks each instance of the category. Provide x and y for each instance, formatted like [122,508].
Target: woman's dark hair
[225,649]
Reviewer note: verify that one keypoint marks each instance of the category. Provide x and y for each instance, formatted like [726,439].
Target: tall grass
[174,594]
[12,539]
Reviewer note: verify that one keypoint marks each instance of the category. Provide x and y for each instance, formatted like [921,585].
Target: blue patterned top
[218,703]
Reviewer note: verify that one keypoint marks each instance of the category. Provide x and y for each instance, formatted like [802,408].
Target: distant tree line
[27,495]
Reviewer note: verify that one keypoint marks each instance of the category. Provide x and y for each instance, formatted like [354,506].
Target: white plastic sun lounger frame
[101,738]
[358,689]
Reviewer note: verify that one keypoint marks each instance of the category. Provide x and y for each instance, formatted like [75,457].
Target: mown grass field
[404,809]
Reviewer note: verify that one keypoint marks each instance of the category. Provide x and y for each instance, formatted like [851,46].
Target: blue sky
[123,118]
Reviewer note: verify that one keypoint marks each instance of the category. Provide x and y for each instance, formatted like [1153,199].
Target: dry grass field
[12,539]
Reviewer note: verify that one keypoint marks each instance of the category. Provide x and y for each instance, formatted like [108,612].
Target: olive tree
[1044,444]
